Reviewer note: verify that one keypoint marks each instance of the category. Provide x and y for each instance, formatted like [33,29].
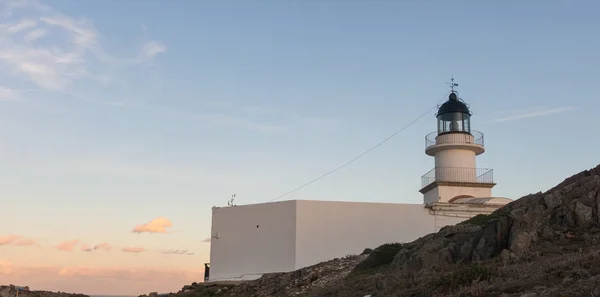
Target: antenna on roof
[230,202]
[452,84]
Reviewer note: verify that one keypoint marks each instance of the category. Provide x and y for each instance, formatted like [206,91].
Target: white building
[250,240]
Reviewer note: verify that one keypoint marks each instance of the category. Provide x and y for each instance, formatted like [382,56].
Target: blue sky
[114,113]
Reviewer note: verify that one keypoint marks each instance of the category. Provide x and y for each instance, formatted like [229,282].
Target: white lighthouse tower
[455,146]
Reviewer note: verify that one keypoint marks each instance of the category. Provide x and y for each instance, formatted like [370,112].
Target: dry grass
[567,268]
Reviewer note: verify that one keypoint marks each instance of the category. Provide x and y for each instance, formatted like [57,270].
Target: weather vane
[452,84]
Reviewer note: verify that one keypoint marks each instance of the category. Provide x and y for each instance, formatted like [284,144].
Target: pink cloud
[101,246]
[132,274]
[133,250]
[16,240]
[158,225]
[67,246]
[9,239]
[100,280]
[24,242]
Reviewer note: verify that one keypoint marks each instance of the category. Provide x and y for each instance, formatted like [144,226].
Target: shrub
[478,220]
[382,255]
[461,277]
[481,219]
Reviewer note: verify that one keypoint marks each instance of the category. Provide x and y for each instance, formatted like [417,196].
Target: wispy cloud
[53,67]
[86,248]
[123,273]
[158,225]
[8,239]
[20,26]
[35,34]
[25,242]
[176,252]
[151,49]
[137,250]
[16,240]
[102,166]
[67,246]
[290,121]
[83,34]
[71,245]
[134,250]
[206,240]
[70,53]
[99,280]
[101,246]
[533,114]
[226,115]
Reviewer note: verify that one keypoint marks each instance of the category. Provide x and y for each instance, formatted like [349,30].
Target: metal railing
[458,174]
[475,137]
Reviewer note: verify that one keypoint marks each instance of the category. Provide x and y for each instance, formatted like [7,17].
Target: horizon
[123,123]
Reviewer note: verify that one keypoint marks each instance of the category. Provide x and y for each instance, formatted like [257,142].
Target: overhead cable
[362,154]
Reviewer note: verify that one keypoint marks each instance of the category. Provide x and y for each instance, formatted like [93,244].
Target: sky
[122,123]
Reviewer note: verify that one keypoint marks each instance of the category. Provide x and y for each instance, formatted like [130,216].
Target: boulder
[552,200]
[583,214]
[521,241]
[507,256]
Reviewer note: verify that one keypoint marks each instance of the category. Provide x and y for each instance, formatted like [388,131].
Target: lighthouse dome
[453,105]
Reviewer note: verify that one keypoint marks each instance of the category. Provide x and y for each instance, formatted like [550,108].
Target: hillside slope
[543,244]
[11,291]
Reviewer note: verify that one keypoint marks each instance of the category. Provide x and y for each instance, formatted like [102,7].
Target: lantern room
[454,116]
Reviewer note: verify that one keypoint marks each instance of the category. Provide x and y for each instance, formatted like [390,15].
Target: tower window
[454,122]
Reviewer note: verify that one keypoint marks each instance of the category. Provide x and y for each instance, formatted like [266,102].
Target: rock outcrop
[570,209]
[12,291]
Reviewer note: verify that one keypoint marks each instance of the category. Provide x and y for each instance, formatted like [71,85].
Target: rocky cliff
[543,244]
[12,291]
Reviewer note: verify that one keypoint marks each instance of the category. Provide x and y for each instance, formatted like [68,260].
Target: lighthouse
[455,147]
[248,241]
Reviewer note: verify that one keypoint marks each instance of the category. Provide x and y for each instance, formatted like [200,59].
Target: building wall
[329,229]
[448,192]
[253,239]
[298,233]
[431,196]
[443,219]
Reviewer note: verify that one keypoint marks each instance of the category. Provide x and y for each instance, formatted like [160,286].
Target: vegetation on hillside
[380,256]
